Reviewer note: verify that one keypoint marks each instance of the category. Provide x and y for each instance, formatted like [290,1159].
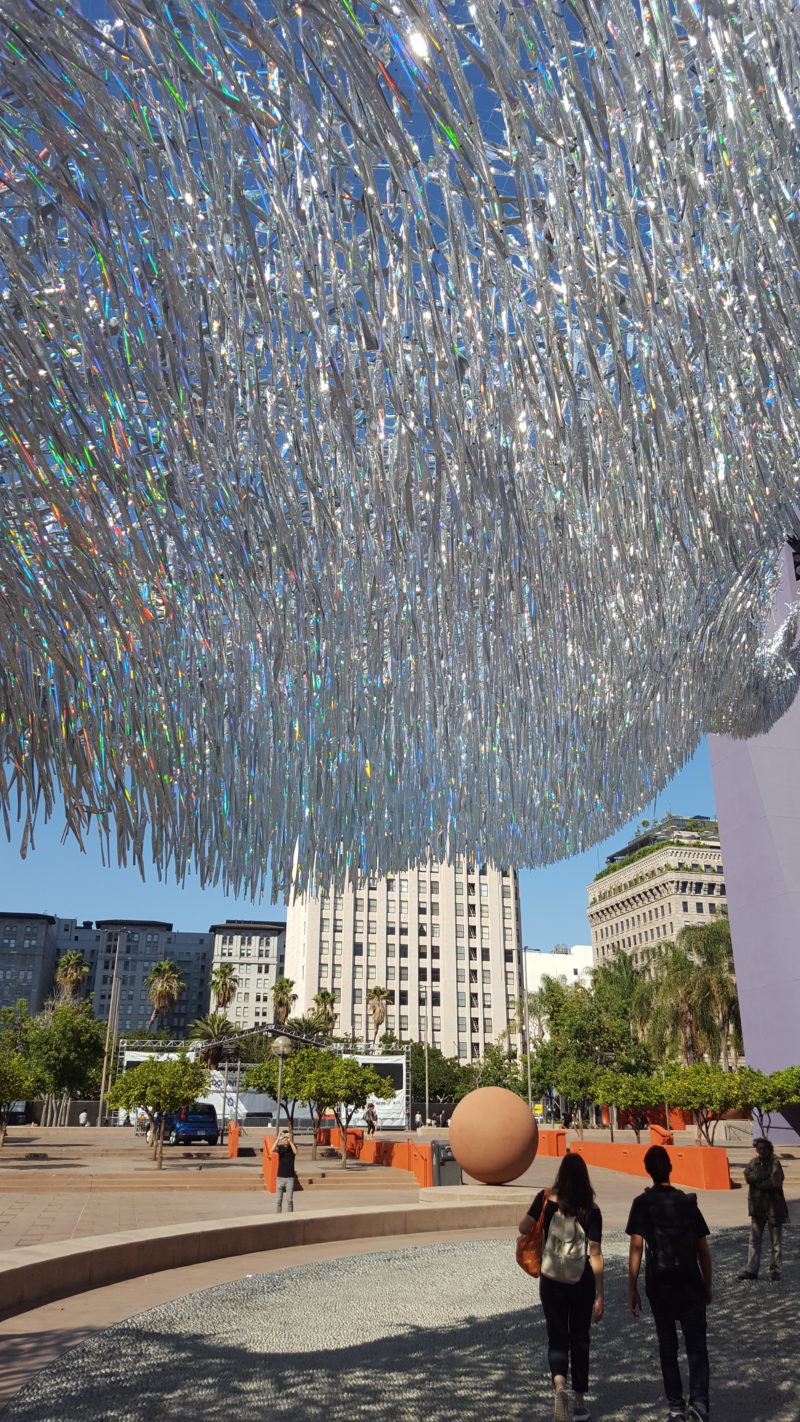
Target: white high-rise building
[444,939]
[568,965]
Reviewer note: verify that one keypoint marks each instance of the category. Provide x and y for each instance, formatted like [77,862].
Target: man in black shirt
[677,1281]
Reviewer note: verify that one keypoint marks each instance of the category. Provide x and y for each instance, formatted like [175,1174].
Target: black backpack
[672,1239]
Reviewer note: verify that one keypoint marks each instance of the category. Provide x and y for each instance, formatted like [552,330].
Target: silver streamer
[398,419]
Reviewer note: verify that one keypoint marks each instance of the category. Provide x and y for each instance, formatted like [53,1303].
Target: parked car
[197,1122]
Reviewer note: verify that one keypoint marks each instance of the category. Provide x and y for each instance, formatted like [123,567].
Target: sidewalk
[102,1181]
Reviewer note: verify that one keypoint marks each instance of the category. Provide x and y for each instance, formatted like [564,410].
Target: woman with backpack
[571,1281]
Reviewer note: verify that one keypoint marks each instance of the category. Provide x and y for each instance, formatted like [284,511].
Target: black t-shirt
[664,1207]
[592,1225]
[285,1161]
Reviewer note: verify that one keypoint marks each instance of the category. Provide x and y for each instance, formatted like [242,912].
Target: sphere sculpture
[493,1135]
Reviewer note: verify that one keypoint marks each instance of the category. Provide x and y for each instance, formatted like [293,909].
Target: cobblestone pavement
[446,1333]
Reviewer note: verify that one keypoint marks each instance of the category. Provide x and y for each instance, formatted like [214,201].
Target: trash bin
[445,1169]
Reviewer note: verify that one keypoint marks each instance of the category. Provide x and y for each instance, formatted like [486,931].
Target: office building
[256,952]
[444,939]
[30,947]
[142,944]
[568,965]
[669,877]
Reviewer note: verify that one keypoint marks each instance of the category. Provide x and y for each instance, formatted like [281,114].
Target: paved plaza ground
[448,1333]
[451,1329]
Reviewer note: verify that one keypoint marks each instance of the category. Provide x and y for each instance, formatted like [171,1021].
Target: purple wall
[757,787]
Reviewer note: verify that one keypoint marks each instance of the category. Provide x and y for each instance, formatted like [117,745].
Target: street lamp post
[111,1031]
[281,1048]
[527,1023]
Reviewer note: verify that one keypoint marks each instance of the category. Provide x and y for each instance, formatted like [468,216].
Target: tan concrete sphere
[493,1135]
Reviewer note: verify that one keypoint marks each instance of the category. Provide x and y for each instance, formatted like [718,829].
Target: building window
[699,907]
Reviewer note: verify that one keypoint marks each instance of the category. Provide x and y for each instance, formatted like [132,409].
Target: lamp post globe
[282,1047]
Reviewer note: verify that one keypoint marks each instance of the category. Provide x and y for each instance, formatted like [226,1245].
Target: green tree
[575,1079]
[294,1079]
[158,1087]
[706,1090]
[628,1091]
[713,990]
[224,985]
[377,1000]
[214,1031]
[71,970]
[283,999]
[306,1026]
[447,1079]
[164,986]
[679,1022]
[65,1047]
[765,1094]
[16,1083]
[325,1011]
[342,1086]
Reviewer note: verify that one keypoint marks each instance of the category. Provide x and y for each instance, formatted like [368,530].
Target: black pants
[692,1319]
[568,1315]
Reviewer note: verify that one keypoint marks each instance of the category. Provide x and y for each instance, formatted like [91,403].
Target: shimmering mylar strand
[398,416]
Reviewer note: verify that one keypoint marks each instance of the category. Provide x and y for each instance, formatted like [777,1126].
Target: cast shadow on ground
[487,1369]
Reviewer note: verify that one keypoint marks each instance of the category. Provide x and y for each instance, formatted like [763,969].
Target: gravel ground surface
[446,1333]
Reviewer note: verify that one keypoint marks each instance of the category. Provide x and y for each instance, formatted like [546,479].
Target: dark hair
[762,1141]
[572,1187]
[658,1164]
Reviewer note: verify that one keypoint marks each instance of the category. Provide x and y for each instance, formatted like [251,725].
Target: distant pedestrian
[766,1205]
[571,1282]
[287,1153]
[417,1120]
[371,1119]
[677,1281]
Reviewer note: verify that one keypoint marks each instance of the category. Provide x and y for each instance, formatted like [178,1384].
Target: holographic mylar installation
[399,418]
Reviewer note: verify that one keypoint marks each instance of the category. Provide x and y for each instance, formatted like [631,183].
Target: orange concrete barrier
[700,1167]
[269,1164]
[552,1143]
[234,1131]
[400,1155]
[658,1136]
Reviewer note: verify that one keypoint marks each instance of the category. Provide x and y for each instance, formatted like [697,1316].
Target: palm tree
[325,1010]
[377,998]
[224,983]
[680,1022]
[70,973]
[714,988]
[213,1030]
[306,1026]
[283,999]
[164,986]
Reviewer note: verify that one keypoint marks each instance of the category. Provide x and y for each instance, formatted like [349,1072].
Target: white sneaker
[561,1409]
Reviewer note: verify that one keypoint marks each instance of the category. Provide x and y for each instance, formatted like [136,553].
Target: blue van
[197,1122]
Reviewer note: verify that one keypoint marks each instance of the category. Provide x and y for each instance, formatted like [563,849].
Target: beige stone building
[256,951]
[445,939]
[669,877]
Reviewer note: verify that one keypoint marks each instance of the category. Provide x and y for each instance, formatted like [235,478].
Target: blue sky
[57,878]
